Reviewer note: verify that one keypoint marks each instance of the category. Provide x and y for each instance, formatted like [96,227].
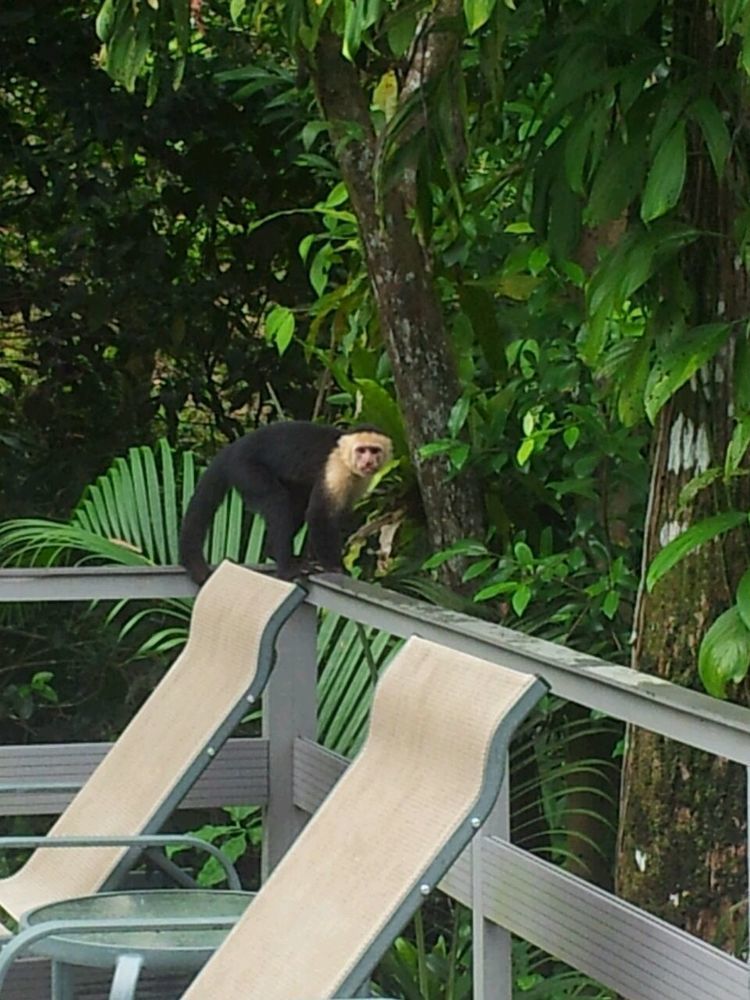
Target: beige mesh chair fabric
[200,699]
[433,762]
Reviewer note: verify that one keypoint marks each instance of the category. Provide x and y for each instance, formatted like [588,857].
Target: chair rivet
[476,822]
[211,751]
[424,889]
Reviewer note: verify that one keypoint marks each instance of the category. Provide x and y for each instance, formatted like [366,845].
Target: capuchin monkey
[288,472]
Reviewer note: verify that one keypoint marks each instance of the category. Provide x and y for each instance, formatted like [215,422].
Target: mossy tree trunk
[683,834]
[683,829]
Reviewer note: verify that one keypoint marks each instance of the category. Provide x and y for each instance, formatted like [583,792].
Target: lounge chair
[425,779]
[168,743]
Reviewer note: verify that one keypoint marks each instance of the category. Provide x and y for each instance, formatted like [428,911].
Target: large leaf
[724,654]
[477,13]
[679,360]
[635,374]
[676,550]
[738,445]
[715,132]
[667,175]
[617,181]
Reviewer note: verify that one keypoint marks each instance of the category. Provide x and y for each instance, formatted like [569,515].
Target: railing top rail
[642,699]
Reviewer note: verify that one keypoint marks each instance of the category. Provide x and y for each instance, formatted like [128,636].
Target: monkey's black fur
[279,470]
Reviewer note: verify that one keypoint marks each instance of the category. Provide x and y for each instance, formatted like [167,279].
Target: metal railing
[509,890]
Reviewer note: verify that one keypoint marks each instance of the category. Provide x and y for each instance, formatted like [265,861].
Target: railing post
[289,711]
[491,945]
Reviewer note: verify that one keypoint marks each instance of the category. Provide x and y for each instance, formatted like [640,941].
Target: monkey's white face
[355,459]
[367,452]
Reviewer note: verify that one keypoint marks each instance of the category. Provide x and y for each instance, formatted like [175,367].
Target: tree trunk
[402,279]
[683,835]
[683,831]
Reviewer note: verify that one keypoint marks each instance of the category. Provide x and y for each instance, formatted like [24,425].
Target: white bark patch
[669,531]
[702,450]
[721,307]
[689,449]
[674,457]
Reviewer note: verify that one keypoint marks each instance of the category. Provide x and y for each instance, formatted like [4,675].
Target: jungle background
[514,235]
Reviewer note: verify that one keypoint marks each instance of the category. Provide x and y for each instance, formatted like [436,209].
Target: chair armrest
[141,840]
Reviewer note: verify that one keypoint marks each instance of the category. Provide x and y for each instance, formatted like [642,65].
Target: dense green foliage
[132,280]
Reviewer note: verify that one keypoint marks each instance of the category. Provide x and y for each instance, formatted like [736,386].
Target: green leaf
[525,451]
[181,9]
[523,554]
[400,31]
[570,436]
[715,132]
[520,599]
[672,99]
[463,547]
[610,604]
[617,181]
[564,225]
[577,141]
[698,534]
[743,598]
[385,95]
[635,13]
[476,569]
[311,131]
[280,325]
[667,175]
[459,454]
[320,267]
[459,413]
[480,307]
[477,13]
[630,408]
[169,492]
[738,445]
[337,196]
[354,26]
[724,654]
[236,7]
[105,20]
[696,485]
[495,589]
[679,360]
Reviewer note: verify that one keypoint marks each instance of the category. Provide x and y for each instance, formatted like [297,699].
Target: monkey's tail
[197,519]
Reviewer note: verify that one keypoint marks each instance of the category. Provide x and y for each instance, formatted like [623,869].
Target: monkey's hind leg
[264,494]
